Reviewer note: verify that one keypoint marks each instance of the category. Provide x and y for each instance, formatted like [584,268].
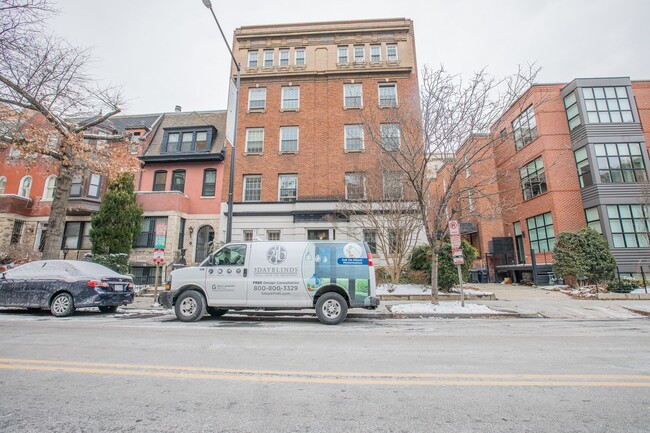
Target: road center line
[395,379]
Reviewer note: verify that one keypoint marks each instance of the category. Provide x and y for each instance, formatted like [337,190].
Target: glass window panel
[615,226]
[621,92]
[635,149]
[533,235]
[588,93]
[599,93]
[590,104]
[186,144]
[614,162]
[637,210]
[604,117]
[622,149]
[643,240]
[639,225]
[616,117]
[201,140]
[641,175]
[624,104]
[602,163]
[630,241]
[593,117]
[610,92]
[572,112]
[625,211]
[574,122]
[612,104]
[612,211]
[616,175]
[570,100]
[581,154]
[550,232]
[601,105]
[627,116]
[628,226]
[592,214]
[619,241]
[628,176]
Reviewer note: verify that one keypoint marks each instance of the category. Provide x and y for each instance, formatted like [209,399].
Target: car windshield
[60,269]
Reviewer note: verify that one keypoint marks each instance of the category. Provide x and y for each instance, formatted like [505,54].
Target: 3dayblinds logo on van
[276,254]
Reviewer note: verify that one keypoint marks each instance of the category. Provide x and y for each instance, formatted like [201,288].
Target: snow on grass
[403,289]
[442,308]
[641,290]
[469,291]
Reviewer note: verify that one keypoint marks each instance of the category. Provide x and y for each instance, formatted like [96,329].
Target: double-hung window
[388,95]
[178,180]
[393,186]
[284,57]
[390,136]
[159,180]
[76,235]
[524,128]
[355,186]
[391,52]
[291,98]
[77,185]
[252,59]
[344,55]
[352,95]
[146,238]
[533,179]
[254,140]
[268,58]
[370,237]
[50,186]
[288,139]
[287,187]
[94,185]
[252,188]
[375,53]
[209,182]
[359,53]
[353,137]
[257,98]
[299,54]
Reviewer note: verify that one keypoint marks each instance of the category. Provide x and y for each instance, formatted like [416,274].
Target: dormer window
[187,140]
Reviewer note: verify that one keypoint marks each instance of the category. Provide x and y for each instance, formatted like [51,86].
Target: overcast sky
[169,52]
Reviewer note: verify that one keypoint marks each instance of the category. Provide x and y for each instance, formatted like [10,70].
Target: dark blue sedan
[64,285]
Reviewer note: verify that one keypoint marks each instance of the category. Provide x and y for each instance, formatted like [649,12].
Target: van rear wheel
[190,306]
[331,308]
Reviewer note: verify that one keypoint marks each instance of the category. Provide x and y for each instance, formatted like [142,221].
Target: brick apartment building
[27,190]
[301,147]
[565,156]
[179,185]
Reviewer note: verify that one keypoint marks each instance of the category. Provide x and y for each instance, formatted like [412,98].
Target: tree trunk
[434,275]
[56,222]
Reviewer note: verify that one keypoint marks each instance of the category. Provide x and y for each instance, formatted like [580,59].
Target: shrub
[382,276]
[447,271]
[625,285]
[117,262]
[412,276]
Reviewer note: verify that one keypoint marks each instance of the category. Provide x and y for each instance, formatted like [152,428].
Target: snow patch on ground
[403,289]
[468,291]
[443,308]
[641,290]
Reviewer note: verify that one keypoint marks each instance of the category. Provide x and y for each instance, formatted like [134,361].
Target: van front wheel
[331,308]
[190,306]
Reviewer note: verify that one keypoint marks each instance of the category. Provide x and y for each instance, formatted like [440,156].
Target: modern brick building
[301,146]
[567,156]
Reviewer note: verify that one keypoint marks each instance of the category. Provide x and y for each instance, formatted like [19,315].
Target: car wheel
[331,308]
[108,308]
[216,311]
[62,305]
[190,306]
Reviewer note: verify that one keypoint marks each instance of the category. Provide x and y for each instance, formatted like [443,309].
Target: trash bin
[483,276]
[474,276]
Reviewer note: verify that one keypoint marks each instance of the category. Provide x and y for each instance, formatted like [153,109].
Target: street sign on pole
[158,255]
[455,241]
[459,260]
[454,228]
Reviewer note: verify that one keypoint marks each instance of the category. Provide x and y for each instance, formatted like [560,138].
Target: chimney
[177,109]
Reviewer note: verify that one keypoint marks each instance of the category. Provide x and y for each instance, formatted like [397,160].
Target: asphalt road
[147,372]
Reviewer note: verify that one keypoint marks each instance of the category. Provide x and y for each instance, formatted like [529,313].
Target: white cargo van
[330,276]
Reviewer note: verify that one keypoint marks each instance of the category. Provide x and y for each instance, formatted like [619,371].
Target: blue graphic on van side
[348,261]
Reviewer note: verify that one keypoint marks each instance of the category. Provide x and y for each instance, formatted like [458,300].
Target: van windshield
[229,255]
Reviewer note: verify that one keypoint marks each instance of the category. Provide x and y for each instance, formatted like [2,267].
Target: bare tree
[451,120]
[43,77]
[382,210]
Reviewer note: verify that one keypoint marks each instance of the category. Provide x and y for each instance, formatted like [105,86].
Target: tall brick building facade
[301,147]
[567,156]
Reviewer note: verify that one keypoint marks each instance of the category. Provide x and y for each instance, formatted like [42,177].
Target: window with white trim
[25,186]
[290,97]
[288,139]
[355,186]
[299,54]
[388,95]
[370,237]
[344,54]
[50,186]
[254,140]
[268,58]
[359,53]
[390,136]
[283,57]
[273,235]
[287,187]
[375,53]
[252,188]
[353,137]
[77,185]
[252,58]
[249,235]
[3,184]
[393,185]
[352,94]
[94,185]
[257,98]
[391,52]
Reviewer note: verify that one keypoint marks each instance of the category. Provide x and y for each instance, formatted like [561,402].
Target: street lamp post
[208,4]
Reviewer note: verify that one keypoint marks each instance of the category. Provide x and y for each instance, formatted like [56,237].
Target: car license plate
[119,288]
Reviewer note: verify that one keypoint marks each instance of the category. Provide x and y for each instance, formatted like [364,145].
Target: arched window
[50,184]
[25,186]
[3,184]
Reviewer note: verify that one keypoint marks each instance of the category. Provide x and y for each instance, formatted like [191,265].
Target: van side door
[226,276]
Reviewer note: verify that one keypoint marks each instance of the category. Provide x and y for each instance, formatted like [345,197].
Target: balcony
[153,201]
[12,203]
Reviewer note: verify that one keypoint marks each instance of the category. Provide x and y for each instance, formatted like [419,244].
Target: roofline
[324,23]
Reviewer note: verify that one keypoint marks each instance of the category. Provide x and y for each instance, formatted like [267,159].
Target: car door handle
[245,272]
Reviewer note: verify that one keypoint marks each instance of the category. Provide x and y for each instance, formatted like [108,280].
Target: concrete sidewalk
[514,300]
